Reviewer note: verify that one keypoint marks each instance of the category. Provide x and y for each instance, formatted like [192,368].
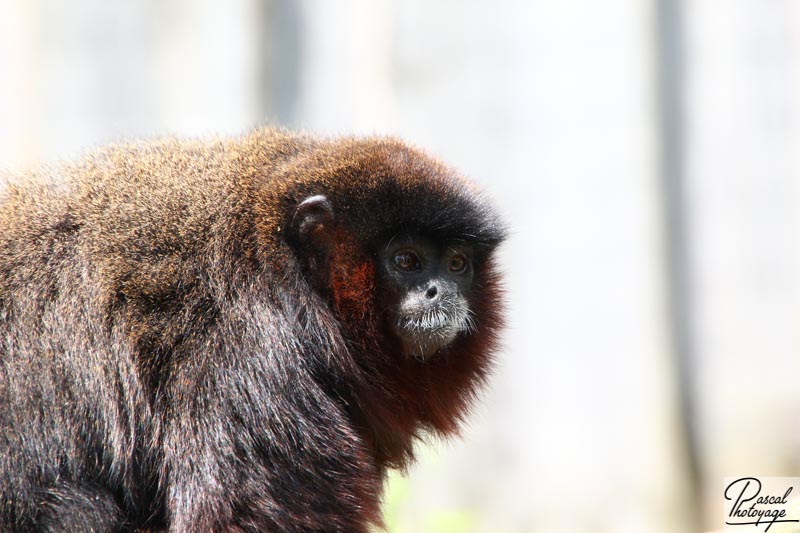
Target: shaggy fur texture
[173,356]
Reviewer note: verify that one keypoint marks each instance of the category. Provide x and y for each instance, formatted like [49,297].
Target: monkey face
[425,287]
[423,284]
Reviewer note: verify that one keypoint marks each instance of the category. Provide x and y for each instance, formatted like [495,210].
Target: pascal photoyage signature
[750,507]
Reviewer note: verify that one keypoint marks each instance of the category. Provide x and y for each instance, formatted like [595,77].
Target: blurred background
[644,152]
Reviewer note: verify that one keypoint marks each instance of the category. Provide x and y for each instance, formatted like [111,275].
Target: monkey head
[408,243]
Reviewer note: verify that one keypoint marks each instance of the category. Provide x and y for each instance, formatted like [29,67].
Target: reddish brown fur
[352,278]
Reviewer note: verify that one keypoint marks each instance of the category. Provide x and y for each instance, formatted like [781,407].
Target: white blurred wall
[554,108]
[743,170]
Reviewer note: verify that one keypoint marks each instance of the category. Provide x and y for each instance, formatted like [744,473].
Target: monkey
[236,334]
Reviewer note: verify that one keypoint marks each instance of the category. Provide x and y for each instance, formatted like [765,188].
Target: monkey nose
[431,292]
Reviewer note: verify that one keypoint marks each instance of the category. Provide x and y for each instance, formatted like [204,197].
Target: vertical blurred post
[280,55]
[670,93]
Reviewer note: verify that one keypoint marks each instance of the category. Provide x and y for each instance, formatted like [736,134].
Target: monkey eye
[407,261]
[457,264]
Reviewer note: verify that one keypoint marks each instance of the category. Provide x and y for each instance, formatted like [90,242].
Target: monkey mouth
[427,333]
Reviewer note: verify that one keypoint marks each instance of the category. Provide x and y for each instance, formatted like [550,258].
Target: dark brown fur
[173,356]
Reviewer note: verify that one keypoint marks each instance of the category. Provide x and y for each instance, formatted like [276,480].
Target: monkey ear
[313,221]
